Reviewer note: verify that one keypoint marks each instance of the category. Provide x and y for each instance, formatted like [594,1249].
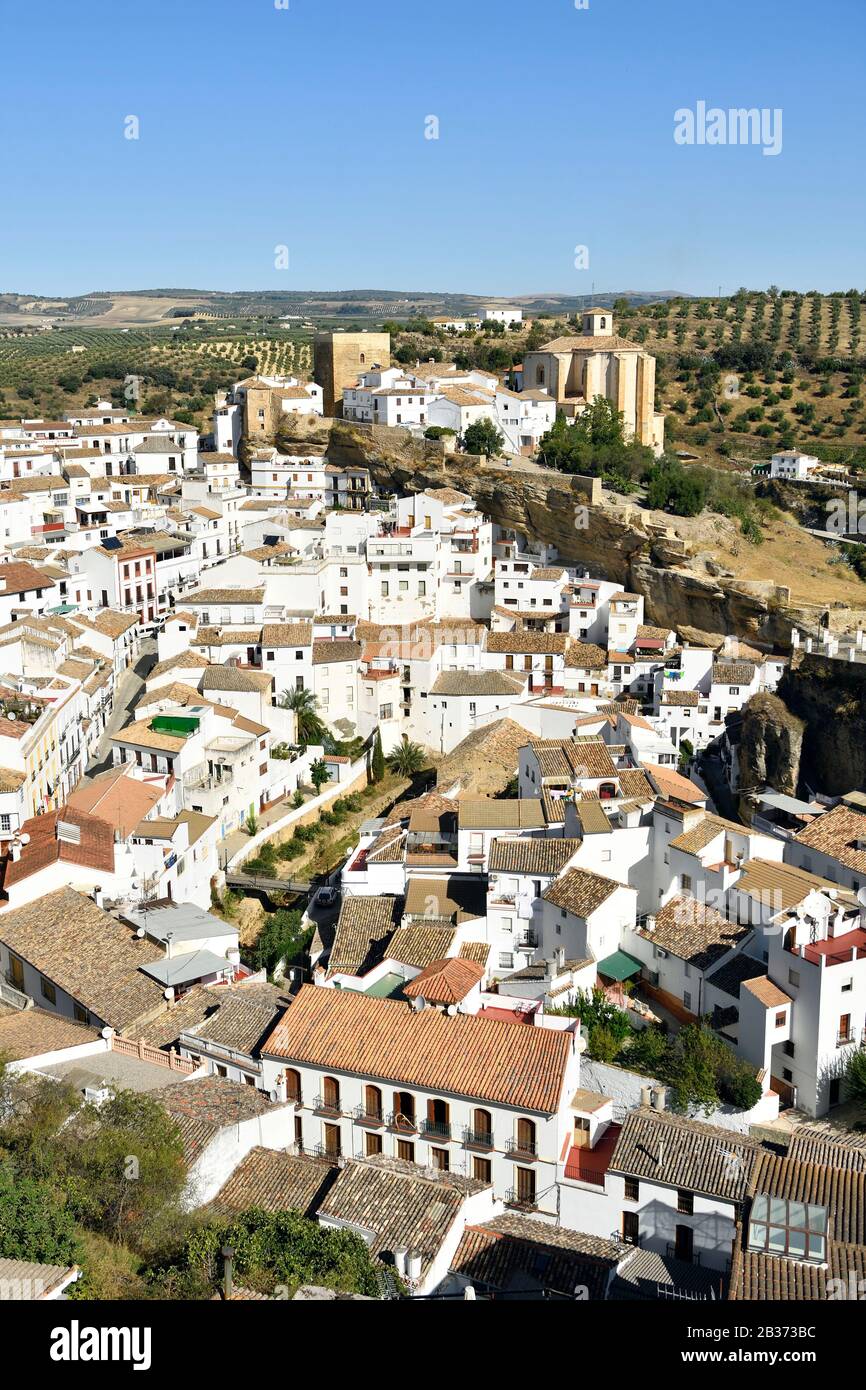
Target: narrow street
[127,694]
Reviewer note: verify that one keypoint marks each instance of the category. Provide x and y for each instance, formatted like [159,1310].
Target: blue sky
[304,127]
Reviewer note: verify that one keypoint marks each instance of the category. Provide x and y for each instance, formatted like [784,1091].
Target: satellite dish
[25,838]
[140,932]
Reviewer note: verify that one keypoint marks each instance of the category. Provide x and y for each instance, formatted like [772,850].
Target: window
[48,990]
[687,999]
[794,978]
[81,1014]
[780,1226]
[506,960]
[632,1190]
[440,1160]
[406,1150]
[685,1203]
[482,1170]
[780,1018]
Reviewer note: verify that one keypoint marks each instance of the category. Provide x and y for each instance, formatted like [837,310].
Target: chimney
[650,923]
[15,847]
[659,1100]
[98,895]
[559,958]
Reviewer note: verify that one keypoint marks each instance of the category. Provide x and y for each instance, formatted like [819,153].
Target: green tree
[282,1248]
[855,1077]
[319,773]
[124,1163]
[35,1224]
[377,761]
[302,703]
[483,437]
[407,758]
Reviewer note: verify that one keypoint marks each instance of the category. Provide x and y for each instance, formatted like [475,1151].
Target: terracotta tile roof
[241,1020]
[30,1032]
[471,683]
[531,856]
[227,637]
[17,577]
[475,950]
[287,635]
[327,650]
[782,885]
[586,655]
[182,661]
[276,1181]
[117,798]
[520,1252]
[733,673]
[406,1207]
[141,734]
[676,1152]
[454,899]
[249,597]
[673,785]
[84,951]
[580,891]
[94,850]
[464,1055]
[25,1280]
[203,1107]
[685,698]
[841,834]
[841,1192]
[587,342]
[833,1148]
[222,677]
[445,981]
[364,928]
[694,931]
[568,758]
[523,641]
[515,813]
[419,945]
[767,993]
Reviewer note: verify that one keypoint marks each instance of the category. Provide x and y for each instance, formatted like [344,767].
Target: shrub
[603,1044]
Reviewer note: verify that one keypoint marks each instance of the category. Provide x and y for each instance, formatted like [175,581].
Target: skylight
[779,1226]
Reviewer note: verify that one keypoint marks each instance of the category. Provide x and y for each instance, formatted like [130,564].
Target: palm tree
[407,758]
[302,703]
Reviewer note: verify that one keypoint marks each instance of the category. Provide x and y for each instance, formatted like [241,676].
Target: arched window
[606,791]
[331,1093]
[372,1103]
[362,358]
[293,1085]
[525,1143]
[482,1127]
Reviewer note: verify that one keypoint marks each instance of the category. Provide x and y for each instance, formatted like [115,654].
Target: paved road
[127,694]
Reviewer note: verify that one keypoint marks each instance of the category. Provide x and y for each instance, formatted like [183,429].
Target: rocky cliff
[770,745]
[829,697]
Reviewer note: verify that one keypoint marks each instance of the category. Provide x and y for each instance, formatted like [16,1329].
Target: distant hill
[146,308]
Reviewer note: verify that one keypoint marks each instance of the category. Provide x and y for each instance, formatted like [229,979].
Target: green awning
[619,966]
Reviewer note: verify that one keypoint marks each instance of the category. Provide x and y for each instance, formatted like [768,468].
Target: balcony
[330,1151]
[363,1115]
[523,1201]
[525,1150]
[843,1039]
[402,1124]
[527,942]
[477,1139]
[437,1131]
[323,1106]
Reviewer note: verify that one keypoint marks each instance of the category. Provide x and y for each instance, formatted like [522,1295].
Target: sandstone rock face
[829,697]
[684,587]
[771,740]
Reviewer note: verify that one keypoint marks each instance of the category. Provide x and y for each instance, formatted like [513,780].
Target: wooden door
[684,1245]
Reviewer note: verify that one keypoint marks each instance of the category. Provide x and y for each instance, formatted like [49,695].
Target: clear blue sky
[305,127]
